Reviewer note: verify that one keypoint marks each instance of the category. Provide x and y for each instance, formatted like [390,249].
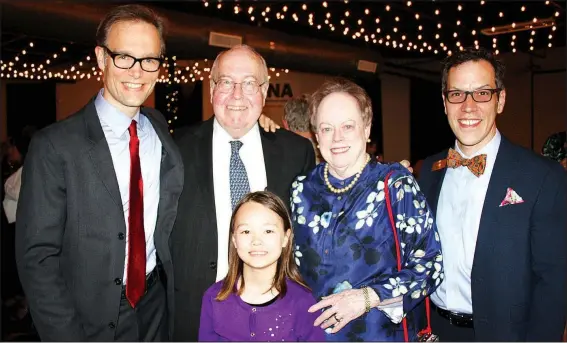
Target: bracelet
[366,299]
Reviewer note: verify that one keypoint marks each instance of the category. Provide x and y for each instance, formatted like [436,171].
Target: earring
[317,146]
[368,140]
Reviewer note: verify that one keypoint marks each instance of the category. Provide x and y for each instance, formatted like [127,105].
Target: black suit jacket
[520,262]
[194,237]
[70,244]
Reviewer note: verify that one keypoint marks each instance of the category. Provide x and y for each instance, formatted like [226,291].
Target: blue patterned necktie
[239,186]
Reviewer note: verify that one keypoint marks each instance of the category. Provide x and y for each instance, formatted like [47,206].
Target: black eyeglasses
[125,61]
[479,95]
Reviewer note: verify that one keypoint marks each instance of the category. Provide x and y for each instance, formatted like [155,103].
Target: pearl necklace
[352,183]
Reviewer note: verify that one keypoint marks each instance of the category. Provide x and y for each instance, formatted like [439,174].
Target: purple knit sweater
[286,319]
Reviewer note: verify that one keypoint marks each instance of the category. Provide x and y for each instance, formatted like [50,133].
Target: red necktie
[476,164]
[136,282]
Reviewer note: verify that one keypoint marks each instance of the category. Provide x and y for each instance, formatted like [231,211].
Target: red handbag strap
[399,259]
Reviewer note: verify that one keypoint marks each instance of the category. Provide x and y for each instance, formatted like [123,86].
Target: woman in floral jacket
[345,247]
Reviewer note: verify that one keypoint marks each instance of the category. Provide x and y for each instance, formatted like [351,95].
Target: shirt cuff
[394,311]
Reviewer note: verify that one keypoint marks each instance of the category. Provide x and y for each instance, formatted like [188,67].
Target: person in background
[345,242]
[99,198]
[500,212]
[555,148]
[417,168]
[372,151]
[296,119]
[15,305]
[11,157]
[12,185]
[263,297]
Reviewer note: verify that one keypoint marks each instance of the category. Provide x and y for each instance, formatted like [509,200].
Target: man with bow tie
[501,215]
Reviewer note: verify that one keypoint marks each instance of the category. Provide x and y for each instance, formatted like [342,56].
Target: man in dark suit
[501,215]
[225,157]
[99,198]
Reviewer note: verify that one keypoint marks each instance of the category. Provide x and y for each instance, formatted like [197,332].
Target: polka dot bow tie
[476,164]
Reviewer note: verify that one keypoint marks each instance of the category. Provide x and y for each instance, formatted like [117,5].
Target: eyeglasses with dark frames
[125,61]
[478,95]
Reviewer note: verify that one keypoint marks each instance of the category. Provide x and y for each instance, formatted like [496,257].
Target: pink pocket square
[511,198]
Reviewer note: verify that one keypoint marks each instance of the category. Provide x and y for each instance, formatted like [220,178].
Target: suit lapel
[203,171]
[271,156]
[501,178]
[100,153]
[170,182]
[169,156]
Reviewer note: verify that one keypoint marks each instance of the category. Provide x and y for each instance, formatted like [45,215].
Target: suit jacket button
[213,265]
[118,281]
[111,325]
[121,236]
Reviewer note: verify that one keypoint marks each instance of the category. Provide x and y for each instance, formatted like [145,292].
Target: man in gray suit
[98,201]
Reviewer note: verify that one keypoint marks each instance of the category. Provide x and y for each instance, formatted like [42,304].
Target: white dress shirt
[458,217]
[12,194]
[252,156]
[115,127]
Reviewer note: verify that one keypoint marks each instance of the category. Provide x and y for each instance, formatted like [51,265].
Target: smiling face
[235,111]
[259,237]
[473,123]
[341,133]
[127,89]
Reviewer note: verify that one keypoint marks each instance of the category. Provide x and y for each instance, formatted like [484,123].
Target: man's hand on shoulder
[407,165]
[267,123]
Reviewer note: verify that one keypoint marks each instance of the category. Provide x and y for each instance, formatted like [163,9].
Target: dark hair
[22,140]
[286,268]
[555,147]
[296,114]
[130,13]
[341,85]
[472,54]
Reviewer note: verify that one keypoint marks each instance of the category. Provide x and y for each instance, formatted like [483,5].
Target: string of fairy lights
[368,27]
[86,68]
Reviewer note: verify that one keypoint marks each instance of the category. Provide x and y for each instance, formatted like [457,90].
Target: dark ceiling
[386,28]
[400,21]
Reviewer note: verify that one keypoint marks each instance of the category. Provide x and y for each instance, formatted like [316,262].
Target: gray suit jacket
[70,240]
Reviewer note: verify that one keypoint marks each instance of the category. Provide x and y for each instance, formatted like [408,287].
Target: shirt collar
[220,134]
[115,119]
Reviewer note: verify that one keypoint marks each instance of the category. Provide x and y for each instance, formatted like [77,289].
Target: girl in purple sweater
[263,297]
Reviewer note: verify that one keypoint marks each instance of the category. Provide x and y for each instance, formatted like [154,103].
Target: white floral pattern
[345,242]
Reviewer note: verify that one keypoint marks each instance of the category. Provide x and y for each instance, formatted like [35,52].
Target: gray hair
[296,114]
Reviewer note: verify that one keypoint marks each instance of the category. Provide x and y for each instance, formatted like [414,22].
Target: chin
[470,140]
[133,101]
[259,265]
[338,161]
